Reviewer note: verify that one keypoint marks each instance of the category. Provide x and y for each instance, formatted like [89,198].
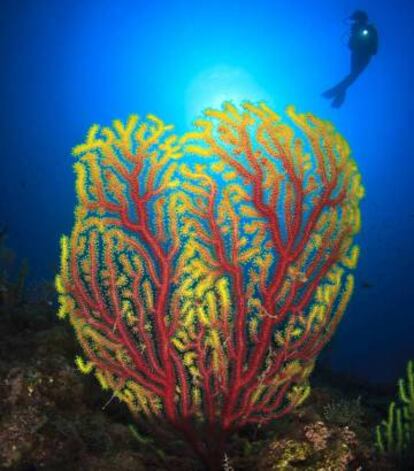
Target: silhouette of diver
[363,43]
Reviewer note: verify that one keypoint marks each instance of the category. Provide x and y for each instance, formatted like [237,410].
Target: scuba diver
[363,43]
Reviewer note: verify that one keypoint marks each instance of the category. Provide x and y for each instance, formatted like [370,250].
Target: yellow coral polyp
[223,290]
[179,345]
[302,393]
[196,395]
[204,285]
[350,260]
[84,367]
[202,316]
[212,307]
[102,380]
[189,358]
[317,313]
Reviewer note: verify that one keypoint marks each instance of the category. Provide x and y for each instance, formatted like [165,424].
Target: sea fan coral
[204,274]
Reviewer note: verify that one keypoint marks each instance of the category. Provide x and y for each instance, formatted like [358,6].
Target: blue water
[67,64]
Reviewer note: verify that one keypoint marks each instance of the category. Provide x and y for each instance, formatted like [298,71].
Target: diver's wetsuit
[363,44]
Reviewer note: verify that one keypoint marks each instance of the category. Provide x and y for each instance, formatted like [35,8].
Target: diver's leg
[339,87]
[338,92]
[358,65]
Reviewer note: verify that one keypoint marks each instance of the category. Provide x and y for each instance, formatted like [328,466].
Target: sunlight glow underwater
[221,83]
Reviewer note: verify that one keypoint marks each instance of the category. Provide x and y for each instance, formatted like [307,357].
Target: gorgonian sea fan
[204,274]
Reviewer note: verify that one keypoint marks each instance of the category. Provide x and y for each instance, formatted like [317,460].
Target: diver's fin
[330,93]
[339,99]
[336,94]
